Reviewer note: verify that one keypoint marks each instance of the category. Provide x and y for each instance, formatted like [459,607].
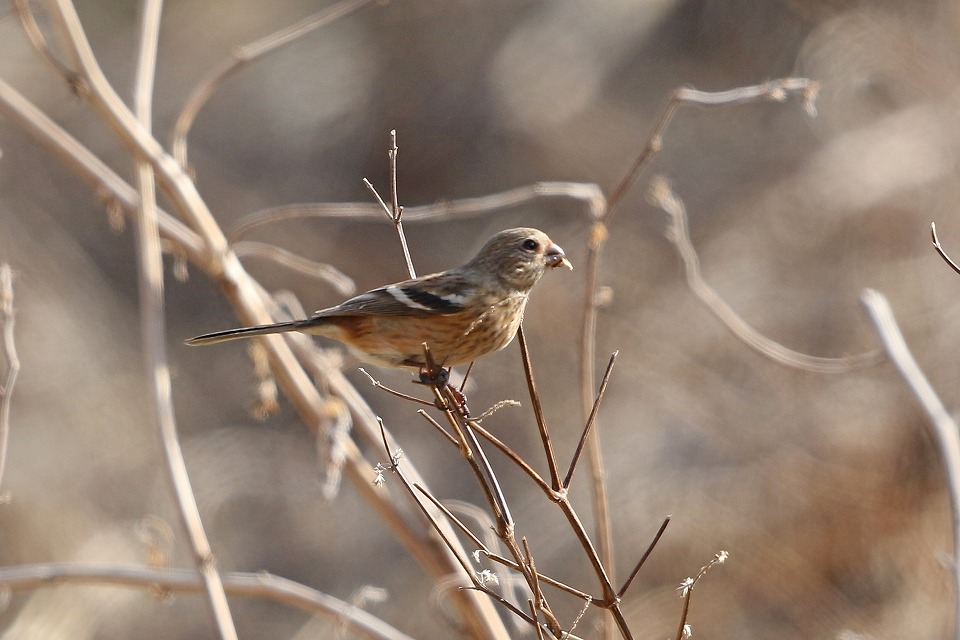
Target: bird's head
[518,257]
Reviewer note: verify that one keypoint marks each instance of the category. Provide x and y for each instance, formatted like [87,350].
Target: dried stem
[662,195]
[538,412]
[943,428]
[259,585]
[643,558]
[394,211]
[588,193]
[939,248]
[328,273]
[7,322]
[590,420]
[150,261]
[243,56]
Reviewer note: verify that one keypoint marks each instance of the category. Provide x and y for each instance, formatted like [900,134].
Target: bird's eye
[530,244]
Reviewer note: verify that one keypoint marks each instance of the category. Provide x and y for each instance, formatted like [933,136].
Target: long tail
[246,332]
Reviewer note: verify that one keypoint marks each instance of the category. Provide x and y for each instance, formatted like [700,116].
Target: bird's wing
[436,294]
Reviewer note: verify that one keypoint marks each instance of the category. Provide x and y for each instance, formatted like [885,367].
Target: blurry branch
[939,248]
[394,211]
[943,428]
[442,211]
[7,321]
[260,585]
[150,259]
[662,196]
[242,56]
[109,186]
[775,90]
[319,270]
[39,42]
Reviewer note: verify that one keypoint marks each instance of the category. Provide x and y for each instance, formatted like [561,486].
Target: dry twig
[7,322]
[943,428]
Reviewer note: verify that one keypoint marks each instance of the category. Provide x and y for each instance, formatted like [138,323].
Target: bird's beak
[557,258]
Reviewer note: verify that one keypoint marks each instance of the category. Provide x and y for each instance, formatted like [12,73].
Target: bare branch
[943,428]
[590,421]
[643,558]
[538,412]
[7,322]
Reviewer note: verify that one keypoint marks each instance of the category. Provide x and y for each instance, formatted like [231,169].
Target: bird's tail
[246,332]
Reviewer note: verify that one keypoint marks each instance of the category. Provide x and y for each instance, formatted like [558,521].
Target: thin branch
[590,420]
[643,558]
[328,273]
[245,55]
[538,412]
[399,394]
[513,456]
[436,425]
[662,195]
[150,261]
[943,428]
[452,518]
[588,193]
[939,248]
[257,585]
[394,211]
[553,582]
[7,322]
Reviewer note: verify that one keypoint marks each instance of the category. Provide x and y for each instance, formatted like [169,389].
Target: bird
[462,314]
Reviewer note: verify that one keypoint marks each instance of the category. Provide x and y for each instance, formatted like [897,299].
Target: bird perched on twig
[461,313]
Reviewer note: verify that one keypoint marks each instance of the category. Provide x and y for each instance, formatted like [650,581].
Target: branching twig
[394,211]
[943,428]
[662,196]
[7,321]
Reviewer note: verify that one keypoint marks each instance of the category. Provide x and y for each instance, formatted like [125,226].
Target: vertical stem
[153,325]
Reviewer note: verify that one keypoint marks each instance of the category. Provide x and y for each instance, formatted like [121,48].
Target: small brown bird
[461,313]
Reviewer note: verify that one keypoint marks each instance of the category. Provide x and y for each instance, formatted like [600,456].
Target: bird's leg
[434,374]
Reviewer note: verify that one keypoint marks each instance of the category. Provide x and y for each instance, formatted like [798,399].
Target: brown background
[826,490]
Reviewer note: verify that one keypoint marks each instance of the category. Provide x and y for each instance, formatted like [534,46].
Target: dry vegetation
[752,400]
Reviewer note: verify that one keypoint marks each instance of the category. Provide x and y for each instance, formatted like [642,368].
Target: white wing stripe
[403,298]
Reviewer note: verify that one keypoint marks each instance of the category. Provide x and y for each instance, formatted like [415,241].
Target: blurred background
[826,490]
